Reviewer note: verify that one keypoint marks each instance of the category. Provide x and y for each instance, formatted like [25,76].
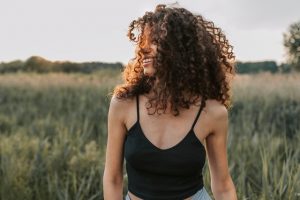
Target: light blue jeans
[200,195]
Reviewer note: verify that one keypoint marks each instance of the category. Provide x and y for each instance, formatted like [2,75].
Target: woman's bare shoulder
[120,102]
[216,110]
[119,106]
[214,115]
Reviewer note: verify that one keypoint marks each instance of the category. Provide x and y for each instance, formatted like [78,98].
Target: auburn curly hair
[193,59]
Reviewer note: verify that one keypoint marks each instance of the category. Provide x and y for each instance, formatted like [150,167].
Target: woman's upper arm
[113,170]
[216,145]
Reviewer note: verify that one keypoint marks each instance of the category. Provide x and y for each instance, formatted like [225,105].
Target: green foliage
[285,68]
[256,67]
[41,65]
[292,45]
[13,66]
[53,140]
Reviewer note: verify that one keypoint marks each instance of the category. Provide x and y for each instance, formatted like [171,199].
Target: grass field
[53,130]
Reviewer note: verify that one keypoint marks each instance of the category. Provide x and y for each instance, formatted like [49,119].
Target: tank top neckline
[191,131]
[137,123]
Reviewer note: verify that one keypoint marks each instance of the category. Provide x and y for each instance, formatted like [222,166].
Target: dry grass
[265,84]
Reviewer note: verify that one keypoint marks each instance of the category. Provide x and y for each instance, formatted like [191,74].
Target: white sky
[95,30]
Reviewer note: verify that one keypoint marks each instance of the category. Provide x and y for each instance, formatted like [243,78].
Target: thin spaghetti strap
[137,107]
[198,114]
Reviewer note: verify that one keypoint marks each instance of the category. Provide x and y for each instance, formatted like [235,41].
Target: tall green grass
[53,130]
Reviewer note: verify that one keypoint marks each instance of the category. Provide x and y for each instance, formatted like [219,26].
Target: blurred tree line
[262,66]
[41,65]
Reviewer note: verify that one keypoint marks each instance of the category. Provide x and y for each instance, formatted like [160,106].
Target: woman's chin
[148,72]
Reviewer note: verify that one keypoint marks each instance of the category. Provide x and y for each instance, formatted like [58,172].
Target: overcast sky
[95,30]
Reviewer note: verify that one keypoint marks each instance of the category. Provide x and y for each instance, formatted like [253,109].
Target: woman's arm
[216,146]
[113,170]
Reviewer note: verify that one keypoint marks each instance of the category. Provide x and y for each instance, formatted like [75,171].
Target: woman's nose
[146,49]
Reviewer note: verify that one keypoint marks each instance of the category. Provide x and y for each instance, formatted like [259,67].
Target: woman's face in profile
[148,50]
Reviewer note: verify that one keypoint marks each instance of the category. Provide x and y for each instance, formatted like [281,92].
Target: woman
[182,67]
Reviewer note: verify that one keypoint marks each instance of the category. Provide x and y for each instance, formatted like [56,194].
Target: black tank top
[163,174]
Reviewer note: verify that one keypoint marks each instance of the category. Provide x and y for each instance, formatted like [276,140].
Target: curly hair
[193,59]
